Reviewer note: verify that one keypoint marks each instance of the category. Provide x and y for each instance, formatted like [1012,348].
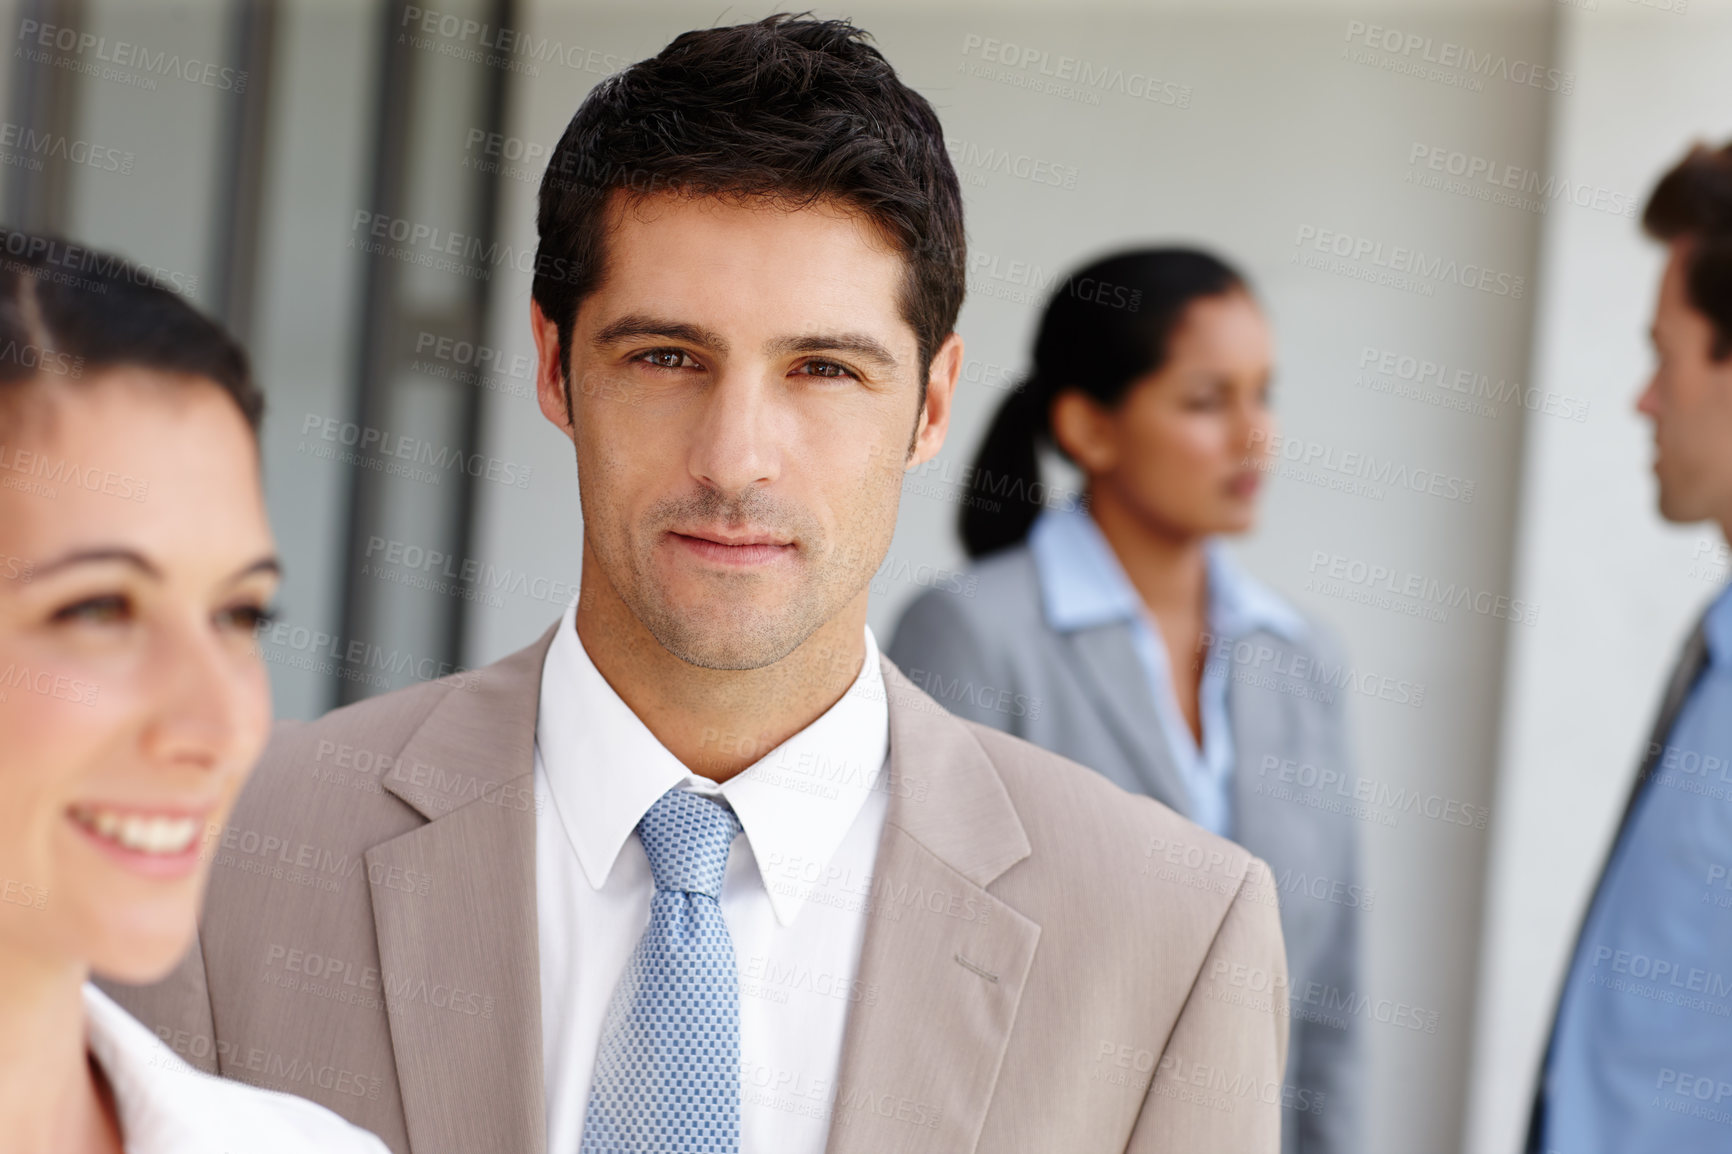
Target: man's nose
[734,442]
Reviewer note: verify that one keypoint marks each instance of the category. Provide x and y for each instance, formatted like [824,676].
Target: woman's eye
[667,359]
[108,609]
[247,618]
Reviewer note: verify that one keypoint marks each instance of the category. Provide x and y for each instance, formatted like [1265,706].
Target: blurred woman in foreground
[1116,631]
[135,564]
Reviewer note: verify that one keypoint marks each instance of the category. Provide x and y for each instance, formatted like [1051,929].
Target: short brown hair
[1694,201]
[789,108]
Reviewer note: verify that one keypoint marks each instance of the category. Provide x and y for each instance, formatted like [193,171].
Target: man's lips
[736,549]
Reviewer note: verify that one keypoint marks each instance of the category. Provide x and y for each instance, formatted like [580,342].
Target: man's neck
[717,722]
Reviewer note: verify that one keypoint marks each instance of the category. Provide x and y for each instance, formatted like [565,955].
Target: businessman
[699,869]
[1640,1056]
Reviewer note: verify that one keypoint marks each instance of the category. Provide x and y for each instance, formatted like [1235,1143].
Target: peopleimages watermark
[383,451]
[470,363]
[1397,266]
[478,42]
[1479,178]
[121,60]
[70,264]
[426,784]
[1661,979]
[366,986]
[1688,1093]
[1068,77]
[1026,283]
[1711,561]
[17,893]
[27,148]
[975,161]
[44,683]
[1374,584]
[42,475]
[1351,471]
[352,659]
[1445,61]
[446,250]
[504,154]
[1436,383]
[419,567]
[1256,988]
[923,575]
[1328,788]
[268,1068]
[1297,674]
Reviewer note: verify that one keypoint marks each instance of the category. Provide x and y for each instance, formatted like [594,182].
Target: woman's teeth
[139,832]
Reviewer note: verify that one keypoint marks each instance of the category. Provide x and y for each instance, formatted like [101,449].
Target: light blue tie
[667,1072]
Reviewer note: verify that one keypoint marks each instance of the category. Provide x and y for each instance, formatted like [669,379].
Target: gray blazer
[369,942]
[981,646]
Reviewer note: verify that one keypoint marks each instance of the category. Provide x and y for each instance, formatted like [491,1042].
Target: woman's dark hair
[69,311]
[1108,324]
[788,108]
[1694,200]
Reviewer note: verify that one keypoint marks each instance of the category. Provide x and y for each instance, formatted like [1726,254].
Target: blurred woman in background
[135,565]
[1117,631]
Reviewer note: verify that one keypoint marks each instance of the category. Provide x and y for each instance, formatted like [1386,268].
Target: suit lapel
[947,959]
[1108,659]
[1684,675]
[454,909]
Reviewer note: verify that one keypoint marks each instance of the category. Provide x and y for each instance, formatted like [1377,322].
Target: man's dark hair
[790,109]
[67,312]
[1694,201]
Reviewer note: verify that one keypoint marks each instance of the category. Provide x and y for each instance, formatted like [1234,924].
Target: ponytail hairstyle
[1107,325]
[68,312]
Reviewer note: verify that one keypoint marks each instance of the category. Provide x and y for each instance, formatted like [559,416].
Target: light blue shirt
[1642,1054]
[1083,586]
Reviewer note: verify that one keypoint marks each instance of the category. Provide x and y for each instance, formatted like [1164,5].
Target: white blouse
[167,1107]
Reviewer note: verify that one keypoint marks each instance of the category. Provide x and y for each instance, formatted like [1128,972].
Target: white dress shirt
[795,896]
[167,1107]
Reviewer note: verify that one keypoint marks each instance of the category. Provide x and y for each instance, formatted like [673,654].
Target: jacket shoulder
[384,721]
[1092,828]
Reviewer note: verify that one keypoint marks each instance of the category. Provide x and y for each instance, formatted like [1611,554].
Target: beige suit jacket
[1060,965]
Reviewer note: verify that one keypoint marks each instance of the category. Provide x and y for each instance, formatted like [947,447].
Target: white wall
[1618,585]
[1281,133]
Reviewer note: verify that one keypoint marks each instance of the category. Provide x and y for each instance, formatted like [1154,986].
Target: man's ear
[934,419]
[550,387]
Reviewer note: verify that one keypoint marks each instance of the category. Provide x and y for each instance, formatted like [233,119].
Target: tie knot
[687,837]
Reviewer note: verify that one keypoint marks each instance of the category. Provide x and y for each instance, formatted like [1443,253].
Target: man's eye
[107,609]
[667,359]
[826,369]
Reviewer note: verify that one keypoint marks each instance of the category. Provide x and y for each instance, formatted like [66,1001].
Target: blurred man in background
[1640,1056]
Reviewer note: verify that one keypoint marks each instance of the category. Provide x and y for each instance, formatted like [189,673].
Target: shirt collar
[138,1068]
[1083,584]
[1717,630]
[796,803]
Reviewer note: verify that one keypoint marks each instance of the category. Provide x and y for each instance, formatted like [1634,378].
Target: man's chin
[730,638]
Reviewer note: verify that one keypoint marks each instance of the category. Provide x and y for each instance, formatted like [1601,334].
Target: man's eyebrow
[858,344]
[634,325]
